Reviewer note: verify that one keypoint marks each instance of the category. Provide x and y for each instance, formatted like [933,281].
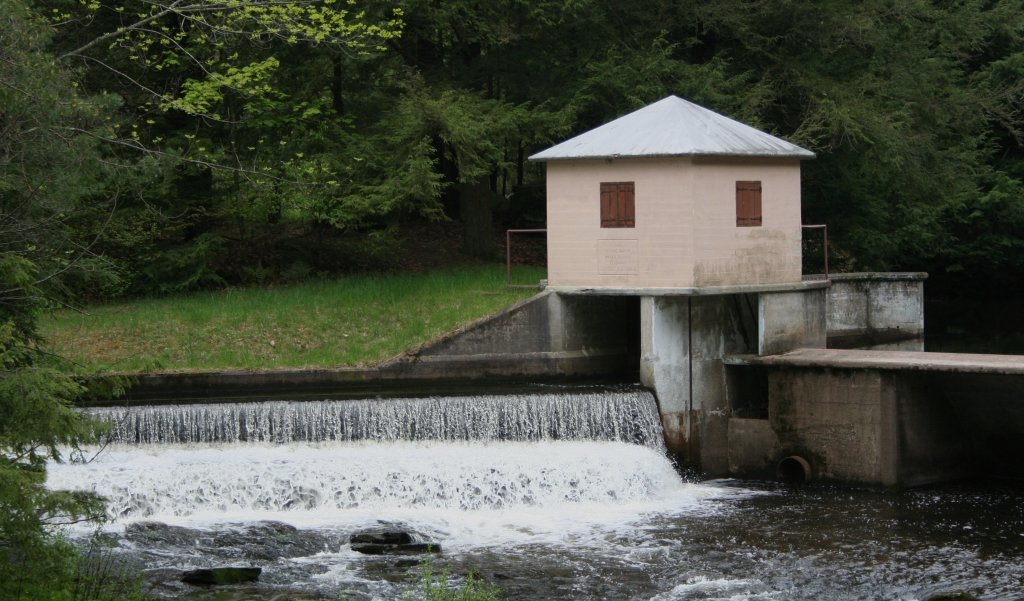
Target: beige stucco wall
[655,253]
[726,255]
[685,234]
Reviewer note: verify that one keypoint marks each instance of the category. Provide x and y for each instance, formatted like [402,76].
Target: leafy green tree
[298,121]
[240,102]
[50,164]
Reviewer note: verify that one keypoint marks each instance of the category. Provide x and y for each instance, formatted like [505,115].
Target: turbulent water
[169,482]
[559,496]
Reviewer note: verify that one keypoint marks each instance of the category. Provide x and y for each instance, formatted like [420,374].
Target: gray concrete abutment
[685,340]
[879,311]
[893,418]
[544,339]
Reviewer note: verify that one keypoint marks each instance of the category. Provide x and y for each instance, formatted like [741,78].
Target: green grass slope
[358,320]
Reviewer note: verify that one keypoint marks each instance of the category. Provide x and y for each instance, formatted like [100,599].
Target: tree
[910,107]
[239,102]
[296,120]
[50,164]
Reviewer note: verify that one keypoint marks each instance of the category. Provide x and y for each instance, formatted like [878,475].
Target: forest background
[164,146]
[153,147]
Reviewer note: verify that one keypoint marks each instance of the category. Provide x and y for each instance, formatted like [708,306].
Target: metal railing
[824,244]
[508,256]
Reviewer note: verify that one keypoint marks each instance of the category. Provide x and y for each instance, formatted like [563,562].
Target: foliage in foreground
[49,169]
[438,587]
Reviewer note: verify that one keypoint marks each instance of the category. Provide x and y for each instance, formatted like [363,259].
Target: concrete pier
[881,311]
[893,418]
[684,340]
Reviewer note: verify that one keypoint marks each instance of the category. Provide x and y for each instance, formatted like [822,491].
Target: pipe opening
[794,470]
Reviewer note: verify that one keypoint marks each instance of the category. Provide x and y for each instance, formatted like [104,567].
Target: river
[556,496]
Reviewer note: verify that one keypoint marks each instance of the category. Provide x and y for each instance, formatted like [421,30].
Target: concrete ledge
[879,276]
[889,360]
[413,378]
[692,291]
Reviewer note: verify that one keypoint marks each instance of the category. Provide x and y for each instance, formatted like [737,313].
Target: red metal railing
[824,245]
[508,256]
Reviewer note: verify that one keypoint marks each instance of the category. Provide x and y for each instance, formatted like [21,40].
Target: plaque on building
[617,257]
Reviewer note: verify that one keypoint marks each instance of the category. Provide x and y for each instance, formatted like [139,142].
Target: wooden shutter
[618,205]
[748,204]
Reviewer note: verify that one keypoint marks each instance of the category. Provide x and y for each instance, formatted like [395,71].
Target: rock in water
[406,549]
[389,541]
[380,536]
[215,576]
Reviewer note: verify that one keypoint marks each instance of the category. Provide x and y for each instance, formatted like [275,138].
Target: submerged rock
[158,533]
[381,536]
[406,549]
[264,541]
[220,576]
[390,540]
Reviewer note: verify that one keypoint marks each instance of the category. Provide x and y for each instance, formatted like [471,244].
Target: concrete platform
[890,360]
[699,291]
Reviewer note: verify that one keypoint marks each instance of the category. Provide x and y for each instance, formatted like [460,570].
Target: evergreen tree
[50,165]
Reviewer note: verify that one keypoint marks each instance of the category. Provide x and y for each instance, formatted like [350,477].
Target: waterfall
[331,460]
[297,479]
[625,416]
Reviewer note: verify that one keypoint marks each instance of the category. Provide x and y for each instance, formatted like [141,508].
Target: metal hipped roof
[672,127]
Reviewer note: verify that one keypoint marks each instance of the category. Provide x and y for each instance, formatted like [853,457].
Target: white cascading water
[324,479]
[521,461]
[627,416]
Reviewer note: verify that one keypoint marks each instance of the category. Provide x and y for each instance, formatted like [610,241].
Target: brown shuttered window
[617,204]
[748,204]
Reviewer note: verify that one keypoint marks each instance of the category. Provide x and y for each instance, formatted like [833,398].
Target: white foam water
[465,493]
[553,475]
[479,470]
[553,496]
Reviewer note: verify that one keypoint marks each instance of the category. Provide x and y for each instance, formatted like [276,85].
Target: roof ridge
[669,127]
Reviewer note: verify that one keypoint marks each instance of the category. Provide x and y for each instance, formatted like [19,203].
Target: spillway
[625,416]
[328,460]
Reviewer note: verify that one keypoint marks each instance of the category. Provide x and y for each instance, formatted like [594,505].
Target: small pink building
[676,197]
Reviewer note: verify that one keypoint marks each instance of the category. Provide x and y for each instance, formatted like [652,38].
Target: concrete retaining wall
[574,335]
[789,320]
[881,311]
[842,423]
[892,428]
[548,338]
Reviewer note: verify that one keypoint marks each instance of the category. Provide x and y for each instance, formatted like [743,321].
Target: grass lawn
[356,320]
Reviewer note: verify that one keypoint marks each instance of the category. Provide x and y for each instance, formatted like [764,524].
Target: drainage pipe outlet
[794,470]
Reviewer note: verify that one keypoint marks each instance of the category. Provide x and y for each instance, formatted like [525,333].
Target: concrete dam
[746,378]
[675,259]
[742,379]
